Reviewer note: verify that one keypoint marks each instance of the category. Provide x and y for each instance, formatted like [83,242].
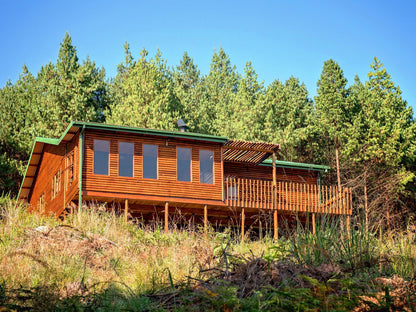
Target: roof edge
[155,132]
[295,165]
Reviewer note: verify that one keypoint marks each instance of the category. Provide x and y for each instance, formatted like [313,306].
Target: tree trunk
[365,200]
[338,171]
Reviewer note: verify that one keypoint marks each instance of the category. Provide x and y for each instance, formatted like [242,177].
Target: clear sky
[281,38]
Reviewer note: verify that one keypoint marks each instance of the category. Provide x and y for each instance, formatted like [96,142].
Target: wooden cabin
[160,175]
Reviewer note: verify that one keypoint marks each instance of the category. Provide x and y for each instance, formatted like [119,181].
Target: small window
[42,202]
[71,168]
[125,159]
[149,161]
[183,164]
[56,184]
[206,165]
[101,156]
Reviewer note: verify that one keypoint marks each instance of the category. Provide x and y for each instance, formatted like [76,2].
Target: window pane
[206,164]
[183,163]
[101,155]
[125,159]
[149,161]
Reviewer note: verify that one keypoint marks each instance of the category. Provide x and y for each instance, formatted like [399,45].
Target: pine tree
[221,87]
[288,116]
[331,108]
[142,94]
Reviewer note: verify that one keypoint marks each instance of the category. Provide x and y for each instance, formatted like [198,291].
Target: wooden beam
[348,226]
[205,220]
[243,217]
[166,217]
[275,225]
[126,209]
[253,149]
[274,169]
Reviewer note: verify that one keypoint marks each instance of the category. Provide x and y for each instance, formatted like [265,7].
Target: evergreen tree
[44,105]
[288,117]
[142,94]
[191,93]
[248,111]
[221,86]
[331,108]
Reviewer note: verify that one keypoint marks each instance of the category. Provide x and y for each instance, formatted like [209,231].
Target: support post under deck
[205,220]
[166,217]
[126,209]
[243,219]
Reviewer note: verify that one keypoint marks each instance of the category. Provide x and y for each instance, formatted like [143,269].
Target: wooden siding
[54,160]
[166,185]
[266,173]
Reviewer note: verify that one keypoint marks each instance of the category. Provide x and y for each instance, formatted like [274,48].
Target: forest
[363,129]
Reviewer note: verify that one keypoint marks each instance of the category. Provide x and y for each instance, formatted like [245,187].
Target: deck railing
[287,196]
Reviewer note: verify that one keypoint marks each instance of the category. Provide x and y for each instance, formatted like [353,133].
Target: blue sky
[280,38]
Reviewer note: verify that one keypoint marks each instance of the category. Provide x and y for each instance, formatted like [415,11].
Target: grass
[95,261]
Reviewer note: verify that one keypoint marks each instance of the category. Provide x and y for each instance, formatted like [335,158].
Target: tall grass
[95,259]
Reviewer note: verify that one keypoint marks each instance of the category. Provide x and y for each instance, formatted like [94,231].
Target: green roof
[165,133]
[295,165]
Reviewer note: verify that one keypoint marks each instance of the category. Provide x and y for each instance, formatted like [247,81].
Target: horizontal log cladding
[166,184]
[266,173]
[54,160]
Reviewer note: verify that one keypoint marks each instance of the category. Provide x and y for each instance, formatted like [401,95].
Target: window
[206,164]
[183,164]
[71,168]
[149,161]
[41,202]
[125,159]
[101,156]
[56,184]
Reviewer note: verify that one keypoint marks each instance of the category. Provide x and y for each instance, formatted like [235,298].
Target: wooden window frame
[157,162]
[118,155]
[56,184]
[108,164]
[213,166]
[190,164]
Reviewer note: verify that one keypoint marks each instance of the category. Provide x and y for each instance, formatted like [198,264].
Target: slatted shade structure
[252,153]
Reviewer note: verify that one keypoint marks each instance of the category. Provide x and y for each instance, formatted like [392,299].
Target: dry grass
[95,260]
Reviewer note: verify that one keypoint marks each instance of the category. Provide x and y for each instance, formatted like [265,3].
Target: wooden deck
[287,196]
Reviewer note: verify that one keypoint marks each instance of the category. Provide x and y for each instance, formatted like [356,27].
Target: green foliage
[288,118]
[142,94]
[43,105]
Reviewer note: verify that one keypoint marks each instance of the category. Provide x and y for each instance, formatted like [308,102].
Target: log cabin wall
[166,185]
[54,164]
[265,172]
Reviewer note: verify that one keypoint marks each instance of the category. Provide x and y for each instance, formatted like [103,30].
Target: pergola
[252,153]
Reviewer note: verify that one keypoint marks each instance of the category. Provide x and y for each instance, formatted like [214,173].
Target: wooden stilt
[348,226]
[313,224]
[166,217]
[275,226]
[205,220]
[243,217]
[126,209]
[260,228]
